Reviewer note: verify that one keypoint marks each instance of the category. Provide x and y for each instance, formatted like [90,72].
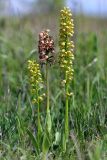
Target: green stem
[48,119]
[66,103]
[66,114]
[39,128]
[38,118]
[47,87]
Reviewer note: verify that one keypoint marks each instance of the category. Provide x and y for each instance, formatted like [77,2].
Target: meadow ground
[88,106]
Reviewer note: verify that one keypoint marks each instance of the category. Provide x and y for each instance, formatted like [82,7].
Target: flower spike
[35,81]
[66,45]
[46,47]
[66,58]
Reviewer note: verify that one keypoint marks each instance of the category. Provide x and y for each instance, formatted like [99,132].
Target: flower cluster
[46,47]
[35,81]
[66,55]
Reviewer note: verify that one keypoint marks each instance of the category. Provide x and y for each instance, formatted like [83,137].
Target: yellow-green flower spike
[66,58]
[35,79]
[66,55]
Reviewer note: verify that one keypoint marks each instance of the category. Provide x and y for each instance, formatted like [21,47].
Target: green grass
[88,106]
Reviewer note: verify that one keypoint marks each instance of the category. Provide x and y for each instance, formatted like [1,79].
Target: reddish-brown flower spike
[46,47]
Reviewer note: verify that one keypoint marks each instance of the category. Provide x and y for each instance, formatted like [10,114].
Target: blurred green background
[20,24]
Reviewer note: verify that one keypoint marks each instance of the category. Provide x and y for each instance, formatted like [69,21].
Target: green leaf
[46,144]
[33,139]
[19,126]
[49,122]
